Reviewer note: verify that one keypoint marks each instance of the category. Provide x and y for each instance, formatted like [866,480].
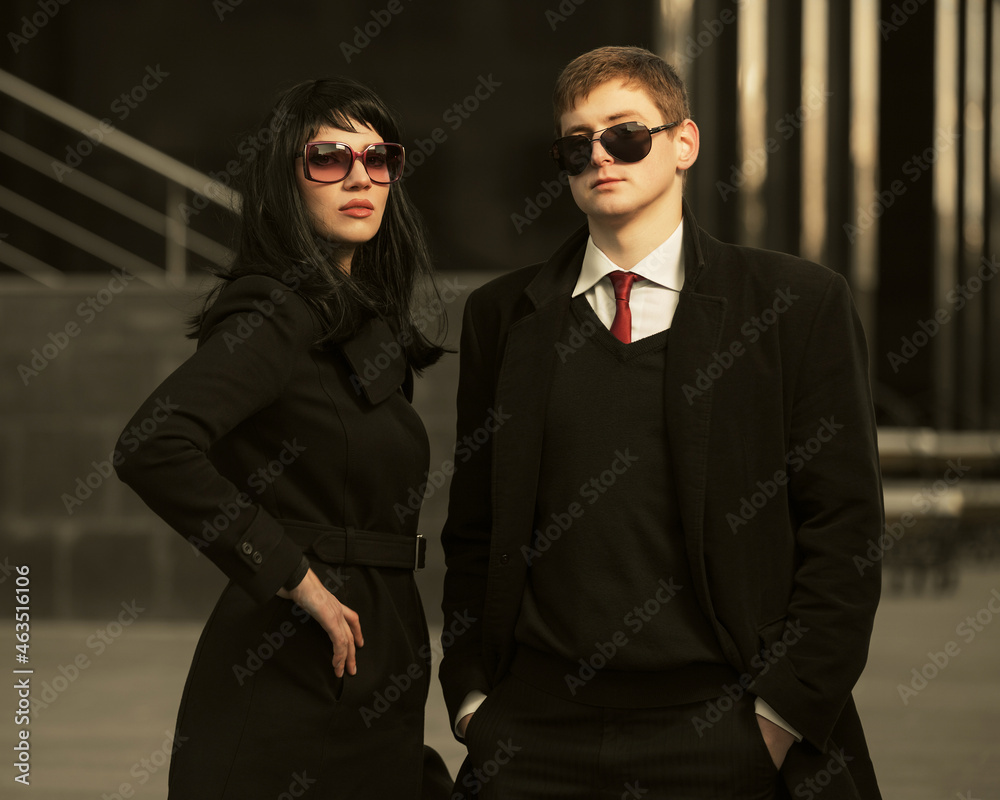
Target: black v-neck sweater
[609,614]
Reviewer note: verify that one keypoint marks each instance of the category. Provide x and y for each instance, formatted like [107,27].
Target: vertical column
[970,328]
[751,82]
[789,106]
[815,153]
[864,138]
[991,332]
[175,235]
[840,204]
[674,40]
[947,58]
[708,63]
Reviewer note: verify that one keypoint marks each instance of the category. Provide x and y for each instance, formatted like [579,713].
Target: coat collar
[377,361]
[558,275]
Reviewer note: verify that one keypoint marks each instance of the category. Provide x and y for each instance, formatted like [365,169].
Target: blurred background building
[862,134]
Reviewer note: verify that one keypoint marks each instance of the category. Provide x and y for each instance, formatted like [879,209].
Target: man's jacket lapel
[522,393]
[695,334]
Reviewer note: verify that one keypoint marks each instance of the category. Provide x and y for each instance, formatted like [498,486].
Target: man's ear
[688,140]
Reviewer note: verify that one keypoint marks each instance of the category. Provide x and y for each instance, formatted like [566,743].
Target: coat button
[257,558]
[503,558]
[246,547]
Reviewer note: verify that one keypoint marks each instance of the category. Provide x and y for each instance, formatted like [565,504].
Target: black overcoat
[252,449]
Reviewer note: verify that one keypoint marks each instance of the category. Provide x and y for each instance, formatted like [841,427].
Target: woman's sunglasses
[331,162]
[627,141]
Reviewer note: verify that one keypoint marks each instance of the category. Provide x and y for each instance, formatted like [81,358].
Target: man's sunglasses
[331,162]
[627,141]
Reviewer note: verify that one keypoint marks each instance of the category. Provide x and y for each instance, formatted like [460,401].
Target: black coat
[772,435]
[251,449]
[258,425]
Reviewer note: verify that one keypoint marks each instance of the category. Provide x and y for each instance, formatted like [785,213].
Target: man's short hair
[636,66]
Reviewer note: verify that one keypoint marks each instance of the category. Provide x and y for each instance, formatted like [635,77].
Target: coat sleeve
[835,497]
[467,532]
[251,335]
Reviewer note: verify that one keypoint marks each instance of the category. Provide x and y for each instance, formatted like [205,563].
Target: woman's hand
[341,624]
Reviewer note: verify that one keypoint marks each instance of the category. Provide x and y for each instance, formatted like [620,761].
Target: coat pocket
[770,632]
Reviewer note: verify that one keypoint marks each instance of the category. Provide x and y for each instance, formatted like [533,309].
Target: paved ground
[942,743]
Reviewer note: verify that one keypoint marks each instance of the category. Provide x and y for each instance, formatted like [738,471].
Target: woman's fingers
[354,621]
[341,634]
[351,663]
[342,624]
[352,638]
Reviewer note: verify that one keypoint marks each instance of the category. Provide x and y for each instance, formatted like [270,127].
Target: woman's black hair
[275,236]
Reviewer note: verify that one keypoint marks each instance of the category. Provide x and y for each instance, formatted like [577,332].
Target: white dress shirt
[652,302]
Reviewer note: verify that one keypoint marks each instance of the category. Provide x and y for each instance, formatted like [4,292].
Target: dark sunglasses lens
[572,153]
[384,162]
[328,163]
[629,141]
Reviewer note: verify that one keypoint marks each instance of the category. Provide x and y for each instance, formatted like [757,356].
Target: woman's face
[348,212]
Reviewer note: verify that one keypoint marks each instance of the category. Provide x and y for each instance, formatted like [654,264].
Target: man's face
[614,192]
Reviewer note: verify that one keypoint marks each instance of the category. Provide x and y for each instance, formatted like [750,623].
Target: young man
[657,542]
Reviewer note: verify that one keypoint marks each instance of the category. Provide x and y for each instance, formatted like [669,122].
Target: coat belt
[350,546]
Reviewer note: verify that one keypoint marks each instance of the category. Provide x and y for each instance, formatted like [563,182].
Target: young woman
[283,450]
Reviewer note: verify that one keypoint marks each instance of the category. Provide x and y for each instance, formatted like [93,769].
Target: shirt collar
[664,266]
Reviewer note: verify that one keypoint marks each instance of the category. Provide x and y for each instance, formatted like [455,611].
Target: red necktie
[621,328]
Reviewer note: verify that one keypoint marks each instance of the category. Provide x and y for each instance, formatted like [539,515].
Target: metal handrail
[80,237]
[30,266]
[110,197]
[151,158]
[172,225]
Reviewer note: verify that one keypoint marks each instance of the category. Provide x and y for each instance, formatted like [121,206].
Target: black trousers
[524,743]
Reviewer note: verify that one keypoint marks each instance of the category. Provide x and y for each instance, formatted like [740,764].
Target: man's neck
[626,241]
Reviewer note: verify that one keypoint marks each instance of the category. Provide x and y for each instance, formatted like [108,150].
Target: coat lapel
[522,395]
[695,335]
[378,362]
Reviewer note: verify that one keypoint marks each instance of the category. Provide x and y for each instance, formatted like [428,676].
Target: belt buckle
[417,566]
